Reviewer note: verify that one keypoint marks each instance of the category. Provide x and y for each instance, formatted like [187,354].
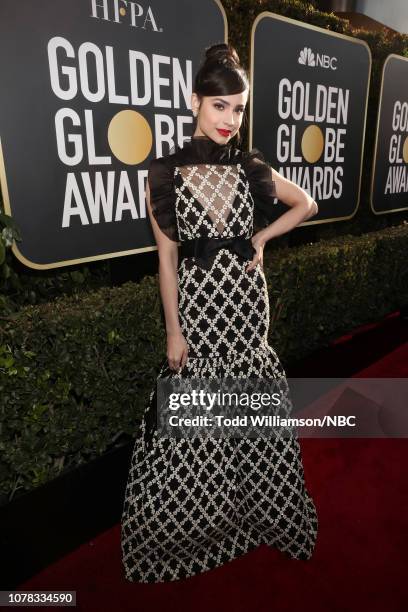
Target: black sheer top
[203,150]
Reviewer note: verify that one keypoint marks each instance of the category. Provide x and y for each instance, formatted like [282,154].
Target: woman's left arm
[302,207]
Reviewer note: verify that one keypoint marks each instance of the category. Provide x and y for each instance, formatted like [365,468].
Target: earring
[194,113]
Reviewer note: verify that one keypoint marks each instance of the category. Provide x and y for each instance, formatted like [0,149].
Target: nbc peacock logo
[307,57]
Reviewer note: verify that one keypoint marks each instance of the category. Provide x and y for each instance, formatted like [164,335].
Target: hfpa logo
[308,58]
[125,11]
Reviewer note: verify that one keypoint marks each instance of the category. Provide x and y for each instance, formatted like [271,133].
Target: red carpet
[360,489]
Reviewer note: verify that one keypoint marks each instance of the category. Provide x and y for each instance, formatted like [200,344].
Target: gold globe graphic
[130,137]
[405,150]
[312,143]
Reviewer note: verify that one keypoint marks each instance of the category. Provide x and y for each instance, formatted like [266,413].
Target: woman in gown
[192,504]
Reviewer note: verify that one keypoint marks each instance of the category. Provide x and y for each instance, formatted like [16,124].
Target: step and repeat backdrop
[91,90]
[94,89]
[309,99]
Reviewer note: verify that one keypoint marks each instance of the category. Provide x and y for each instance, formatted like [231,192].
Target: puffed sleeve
[262,187]
[163,197]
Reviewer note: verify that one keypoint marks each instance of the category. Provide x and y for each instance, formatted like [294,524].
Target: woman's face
[219,117]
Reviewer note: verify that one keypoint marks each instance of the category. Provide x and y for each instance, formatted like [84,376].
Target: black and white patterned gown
[194,504]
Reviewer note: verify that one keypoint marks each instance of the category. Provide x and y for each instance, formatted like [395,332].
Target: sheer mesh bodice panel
[213,200]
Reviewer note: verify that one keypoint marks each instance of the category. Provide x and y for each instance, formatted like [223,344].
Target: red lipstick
[224,132]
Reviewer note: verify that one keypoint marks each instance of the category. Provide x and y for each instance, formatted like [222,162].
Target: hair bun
[223,53]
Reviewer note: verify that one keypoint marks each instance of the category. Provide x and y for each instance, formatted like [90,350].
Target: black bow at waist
[204,249]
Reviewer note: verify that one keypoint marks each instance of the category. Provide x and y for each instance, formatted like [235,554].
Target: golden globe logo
[125,11]
[397,176]
[108,195]
[322,142]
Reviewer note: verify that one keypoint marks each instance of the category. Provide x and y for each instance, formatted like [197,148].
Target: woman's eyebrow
[227,103]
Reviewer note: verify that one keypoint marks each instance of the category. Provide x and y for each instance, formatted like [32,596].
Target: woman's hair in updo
[221,73]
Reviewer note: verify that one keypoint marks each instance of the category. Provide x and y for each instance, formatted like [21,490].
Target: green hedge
[319,292]
[76,374]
